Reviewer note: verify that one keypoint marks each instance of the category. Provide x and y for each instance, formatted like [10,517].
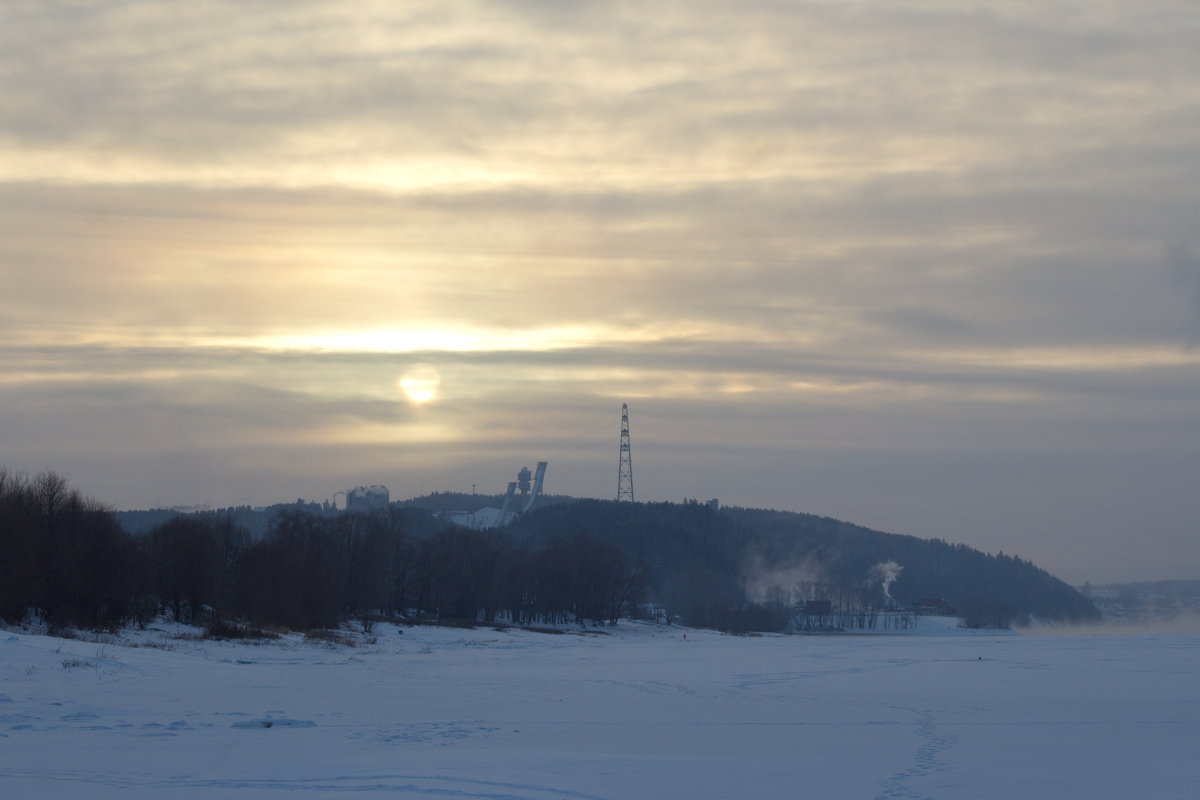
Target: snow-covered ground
[640,712]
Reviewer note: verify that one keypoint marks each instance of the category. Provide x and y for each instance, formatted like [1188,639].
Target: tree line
[65,559]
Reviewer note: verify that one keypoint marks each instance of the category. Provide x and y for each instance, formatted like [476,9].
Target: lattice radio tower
[625,470]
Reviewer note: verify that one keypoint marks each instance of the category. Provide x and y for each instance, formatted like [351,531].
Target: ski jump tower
[522,481]
[625,468]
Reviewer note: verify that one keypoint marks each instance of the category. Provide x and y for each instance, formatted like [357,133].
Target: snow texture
[636,711]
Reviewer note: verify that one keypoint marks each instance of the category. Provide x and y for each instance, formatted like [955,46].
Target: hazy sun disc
[420,383]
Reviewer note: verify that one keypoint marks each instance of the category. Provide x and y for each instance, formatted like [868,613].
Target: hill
[735,555]
[732,568]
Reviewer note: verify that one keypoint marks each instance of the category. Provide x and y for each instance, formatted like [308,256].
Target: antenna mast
[625,471]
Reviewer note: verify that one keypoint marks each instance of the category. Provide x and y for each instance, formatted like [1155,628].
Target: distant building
[934,607]
[365,498]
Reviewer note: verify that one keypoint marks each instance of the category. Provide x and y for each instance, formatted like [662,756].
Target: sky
[931,267]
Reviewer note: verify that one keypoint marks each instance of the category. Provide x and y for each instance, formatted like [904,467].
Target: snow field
[634,712]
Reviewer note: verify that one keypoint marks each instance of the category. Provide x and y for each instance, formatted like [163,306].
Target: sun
[420,383]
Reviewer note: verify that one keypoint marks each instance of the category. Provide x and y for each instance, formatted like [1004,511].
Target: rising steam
[886,572]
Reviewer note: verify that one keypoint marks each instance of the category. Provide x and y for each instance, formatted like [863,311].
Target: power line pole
[625,470]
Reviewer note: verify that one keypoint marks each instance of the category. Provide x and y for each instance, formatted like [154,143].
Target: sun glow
[420,383]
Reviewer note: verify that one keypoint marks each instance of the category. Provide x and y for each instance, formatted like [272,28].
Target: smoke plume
[886,572]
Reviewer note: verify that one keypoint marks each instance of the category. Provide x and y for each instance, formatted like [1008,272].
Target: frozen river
[637,712]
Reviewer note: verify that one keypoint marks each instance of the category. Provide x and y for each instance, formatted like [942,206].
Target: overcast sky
[931,267]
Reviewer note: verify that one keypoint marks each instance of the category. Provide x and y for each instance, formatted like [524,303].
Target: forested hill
[703,562]
[68,561]
[932,568]
[746,554]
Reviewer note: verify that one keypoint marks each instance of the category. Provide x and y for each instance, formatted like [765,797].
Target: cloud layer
[929,267]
